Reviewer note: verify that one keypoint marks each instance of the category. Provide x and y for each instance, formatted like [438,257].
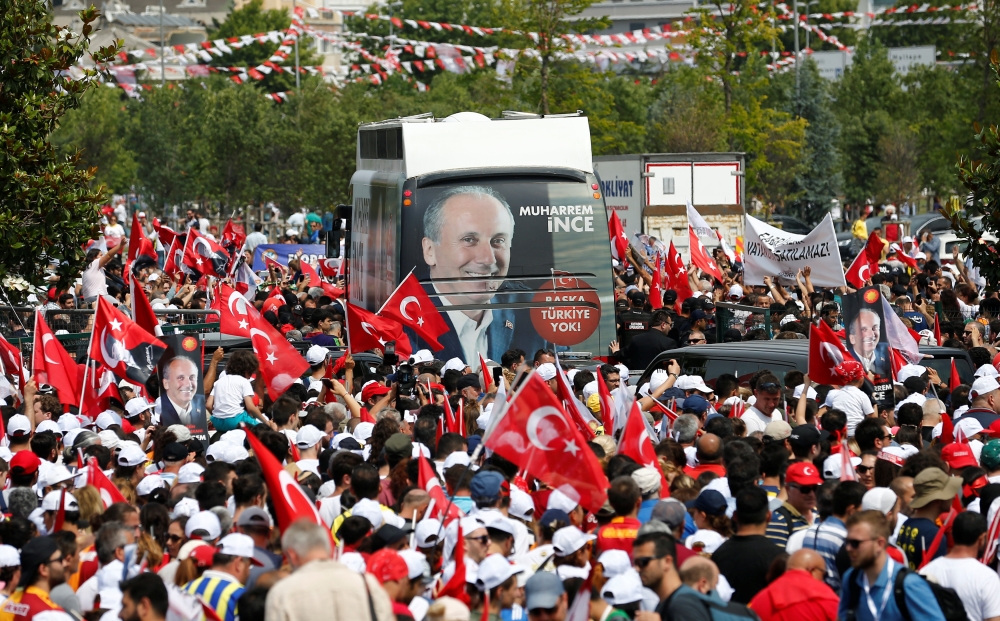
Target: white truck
[650,193]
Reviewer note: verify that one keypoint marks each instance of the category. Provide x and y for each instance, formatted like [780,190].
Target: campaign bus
[502,221]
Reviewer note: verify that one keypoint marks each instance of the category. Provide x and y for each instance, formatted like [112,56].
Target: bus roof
[425,146]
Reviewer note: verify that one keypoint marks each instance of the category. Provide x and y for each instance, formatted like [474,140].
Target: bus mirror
[333,244]
[344,212]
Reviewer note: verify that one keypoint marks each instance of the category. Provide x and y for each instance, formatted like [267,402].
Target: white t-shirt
[977,585]
[855,404]
[756,420]
[94,283]
[229,393]
[310,465]
[114,230]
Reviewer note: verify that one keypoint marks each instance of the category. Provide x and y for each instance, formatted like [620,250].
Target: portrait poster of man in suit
[866,338]
[182,394]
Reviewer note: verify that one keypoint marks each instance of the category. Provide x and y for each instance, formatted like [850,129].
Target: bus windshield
[513,262]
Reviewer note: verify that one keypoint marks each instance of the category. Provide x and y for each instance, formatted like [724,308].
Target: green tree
[48,209]
[866,100]
[98,129]
[687,114]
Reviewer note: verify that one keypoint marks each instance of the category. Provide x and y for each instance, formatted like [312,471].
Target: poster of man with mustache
[867,341]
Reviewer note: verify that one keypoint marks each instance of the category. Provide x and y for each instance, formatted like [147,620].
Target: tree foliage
[48,207]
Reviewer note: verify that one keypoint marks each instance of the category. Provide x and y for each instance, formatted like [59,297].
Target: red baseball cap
[373,390]
[388,566]
[803,473]
[959,456]
[26,461]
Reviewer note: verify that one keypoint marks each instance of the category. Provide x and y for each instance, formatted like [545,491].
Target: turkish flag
[619,241]
[310,272]
[903,258]
[865,264]
[234,311]
[954,380]
[576,410]
[700,257]
[11,363]
[329,267]
[122,345]
[896,361]
[366,330]
[655,289]
[52,365]
[636,443]
[330,290]
[937,329]
[245,280]
[142,310]
[271,263]
[826,352]
[410,305]
[847,472]
[455,587]
[138,243]
[290,502]
[166,234]
[233,237]
[98,389]
[607,405]
[174,259]
[677,275]
[204,255]
[485,370]
[280,363]
[535,433]
[95,476]
[428,482]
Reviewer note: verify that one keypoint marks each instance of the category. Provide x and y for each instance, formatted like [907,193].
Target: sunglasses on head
[769,387]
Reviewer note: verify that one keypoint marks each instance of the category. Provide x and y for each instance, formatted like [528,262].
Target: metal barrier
[79,320]
[741,317]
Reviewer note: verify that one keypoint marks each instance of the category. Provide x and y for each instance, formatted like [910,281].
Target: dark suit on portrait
[881,360]
[169,417]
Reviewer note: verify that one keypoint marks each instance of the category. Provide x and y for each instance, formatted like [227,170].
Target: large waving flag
[410,305]
[122,345]
[290,501]
[51,363]
[366,330]
[699,255]
[280,363]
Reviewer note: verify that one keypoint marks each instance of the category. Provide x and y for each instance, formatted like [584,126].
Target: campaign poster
[867,342]
[779,254]
[312,253]
[512,263]
[182,388]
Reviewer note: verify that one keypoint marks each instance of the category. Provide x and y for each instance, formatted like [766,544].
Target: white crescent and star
[867,267]
[830,353]
[45,341]
[365,325]
[116,325]
[407,301]
[241,307]
[270,351]
[534,420]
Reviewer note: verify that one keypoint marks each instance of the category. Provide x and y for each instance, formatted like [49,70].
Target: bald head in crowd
[709,448]
[700,574]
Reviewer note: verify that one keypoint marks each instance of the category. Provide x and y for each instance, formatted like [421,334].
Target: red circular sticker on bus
[570,324]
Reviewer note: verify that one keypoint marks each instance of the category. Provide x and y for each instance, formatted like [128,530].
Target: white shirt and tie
[472,336]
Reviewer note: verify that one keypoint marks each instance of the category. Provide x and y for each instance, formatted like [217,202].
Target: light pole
[298,89]
[163,47]
[795,17]
[391,6]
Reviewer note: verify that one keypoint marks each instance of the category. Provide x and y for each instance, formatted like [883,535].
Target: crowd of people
[769,497]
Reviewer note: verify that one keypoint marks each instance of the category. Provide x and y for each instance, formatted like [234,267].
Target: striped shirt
[220,592]
[827,539]
[784,521]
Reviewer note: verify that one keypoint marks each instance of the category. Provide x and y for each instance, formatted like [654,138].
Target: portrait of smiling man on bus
[466,245]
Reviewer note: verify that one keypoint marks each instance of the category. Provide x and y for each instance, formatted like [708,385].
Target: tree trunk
[545,83]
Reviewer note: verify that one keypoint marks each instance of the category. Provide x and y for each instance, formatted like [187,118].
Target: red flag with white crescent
[366,330]
[51,363]
[11,362]
[826,352]
[95,476]
[636,443]
[280,363]
[234,311]
[410,305]
[122,345]
[204,255]
[536,433]
[429,482]
[619,241]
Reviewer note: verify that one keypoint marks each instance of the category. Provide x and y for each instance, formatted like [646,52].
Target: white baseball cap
[455,364]
[53,475]
[736,291]
[416,565]
[149,483]
[615,562]
[522,506]
[9,556]
[205,521]
[569,539]
[422,356]
[987,370]
[236,436]
[625,588]
[18,425]
[107,418]
[68,422]
[182,433]
[969,426]
[109,438]
[316,354]
[236,544]
[48,425]
[131,455]
[559,500]
[878,499]
[190,473]
[811,394]
[428,533]
[546,371]
[127,384]
[980,387]
[494,571]
[185,507]
[369,510]
[497,521]
[51,501]
[308,437]
[908,371]
[137,406]
[363,431]
[457,458]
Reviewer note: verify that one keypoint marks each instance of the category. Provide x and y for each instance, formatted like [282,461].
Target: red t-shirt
[618,535]
[718,469]
[24,604]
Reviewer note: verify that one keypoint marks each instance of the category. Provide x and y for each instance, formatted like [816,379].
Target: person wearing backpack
[977,585]
[653,557]
[868,590]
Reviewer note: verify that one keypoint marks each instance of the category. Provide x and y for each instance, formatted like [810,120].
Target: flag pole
[86,369]
[395,290]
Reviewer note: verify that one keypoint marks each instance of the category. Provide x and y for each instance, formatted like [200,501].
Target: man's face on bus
[865,333]
[473,242]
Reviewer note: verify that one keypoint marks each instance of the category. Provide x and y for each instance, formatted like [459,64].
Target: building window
[636,25]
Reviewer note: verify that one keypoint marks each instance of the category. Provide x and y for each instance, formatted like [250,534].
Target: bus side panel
[374,263]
